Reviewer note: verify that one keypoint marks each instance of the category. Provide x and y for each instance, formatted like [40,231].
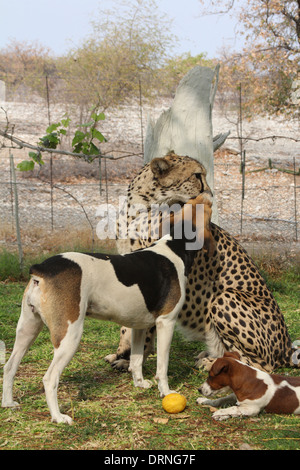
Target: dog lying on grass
[138,290]
[254,389]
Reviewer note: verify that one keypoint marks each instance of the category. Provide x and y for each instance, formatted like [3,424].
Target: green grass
[10,269]
[109,413]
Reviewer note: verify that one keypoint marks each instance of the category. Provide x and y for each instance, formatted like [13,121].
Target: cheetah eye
[199,177]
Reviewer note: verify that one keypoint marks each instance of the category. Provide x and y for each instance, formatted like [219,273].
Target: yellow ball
[174,403]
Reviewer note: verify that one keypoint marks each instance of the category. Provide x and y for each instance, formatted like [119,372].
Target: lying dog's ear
[219,366]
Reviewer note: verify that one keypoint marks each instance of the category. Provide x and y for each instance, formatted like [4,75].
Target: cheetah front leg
[121,359]
[215,349]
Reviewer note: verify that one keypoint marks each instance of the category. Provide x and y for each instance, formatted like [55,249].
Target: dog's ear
[233,354]
[206,200]
[220,365]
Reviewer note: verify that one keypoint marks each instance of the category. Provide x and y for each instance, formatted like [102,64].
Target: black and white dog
[138,290]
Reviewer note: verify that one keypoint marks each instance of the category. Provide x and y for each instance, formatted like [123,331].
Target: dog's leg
[136,358]
[28,328]
[165,329]
[218,402]
[236,411]
[62,356]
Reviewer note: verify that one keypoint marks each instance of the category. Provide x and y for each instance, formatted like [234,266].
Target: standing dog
[138,290]
[254,389]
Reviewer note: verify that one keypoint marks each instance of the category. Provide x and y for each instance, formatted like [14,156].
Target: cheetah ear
[160,166]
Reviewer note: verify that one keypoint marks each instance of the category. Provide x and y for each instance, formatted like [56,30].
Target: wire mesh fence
[257,194]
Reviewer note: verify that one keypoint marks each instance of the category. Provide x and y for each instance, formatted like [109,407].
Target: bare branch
[23,144]
[258,139]
[220,12]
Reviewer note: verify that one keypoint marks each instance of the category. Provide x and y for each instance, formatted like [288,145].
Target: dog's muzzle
[205,390]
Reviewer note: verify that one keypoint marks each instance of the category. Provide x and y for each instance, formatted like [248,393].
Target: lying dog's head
[220,374]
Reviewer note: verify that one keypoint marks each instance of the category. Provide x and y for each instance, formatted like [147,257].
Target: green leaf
[88,124]
[50,140]
[97,135]
[85,148]
[77,148]
[33,155]
[98,117]
[79,136]
[36,157]
[65,122]
[94,150]
[52,128]
[53,137]
[63,131]
[26,165]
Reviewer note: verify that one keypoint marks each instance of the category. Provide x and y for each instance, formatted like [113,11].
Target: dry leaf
[213,409]
[161,420]
[180,416]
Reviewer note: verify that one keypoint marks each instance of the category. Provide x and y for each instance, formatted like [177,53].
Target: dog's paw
[220,417]
[65,419]
[165,393]
[142,383]
[147,384]
[225,413]
[11,404]
[203,401]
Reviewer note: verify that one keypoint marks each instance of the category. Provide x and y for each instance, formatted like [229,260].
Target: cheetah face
[171,179]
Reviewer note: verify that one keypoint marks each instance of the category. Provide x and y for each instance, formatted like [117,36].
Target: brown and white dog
[254,389]
[138,290]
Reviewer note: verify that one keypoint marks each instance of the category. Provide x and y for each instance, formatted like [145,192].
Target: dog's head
[194,219]
[220,373]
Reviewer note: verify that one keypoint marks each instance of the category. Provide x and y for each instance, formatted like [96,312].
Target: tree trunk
[186,127]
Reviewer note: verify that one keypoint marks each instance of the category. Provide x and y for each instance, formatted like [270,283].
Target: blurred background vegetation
[132,47]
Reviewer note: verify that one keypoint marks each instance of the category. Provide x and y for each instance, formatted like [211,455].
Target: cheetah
[228,305]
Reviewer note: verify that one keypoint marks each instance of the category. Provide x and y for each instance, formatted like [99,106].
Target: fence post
[141,115]
[243,167]
[295,200]
[15,189]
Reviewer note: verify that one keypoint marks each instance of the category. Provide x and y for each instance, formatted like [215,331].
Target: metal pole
[243,166]
[295,200]
[51,158]
[13,173]
[141,115]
